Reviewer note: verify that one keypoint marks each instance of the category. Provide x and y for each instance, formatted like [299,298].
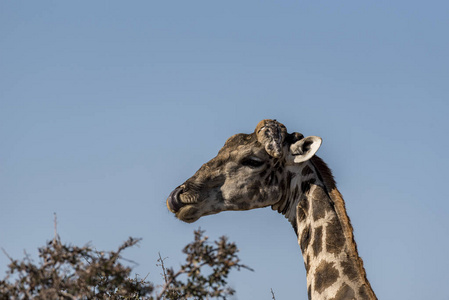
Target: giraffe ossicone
[271,167]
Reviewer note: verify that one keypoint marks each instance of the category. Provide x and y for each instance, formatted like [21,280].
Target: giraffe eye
[252,162]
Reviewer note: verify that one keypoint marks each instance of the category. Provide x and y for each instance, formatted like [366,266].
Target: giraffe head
[247,173]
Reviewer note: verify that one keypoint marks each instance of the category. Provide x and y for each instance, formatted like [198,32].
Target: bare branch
[272,294]
[56,237]
[7,255]
[164,272]
[166,286]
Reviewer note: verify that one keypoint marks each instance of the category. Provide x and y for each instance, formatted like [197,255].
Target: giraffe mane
[339,204]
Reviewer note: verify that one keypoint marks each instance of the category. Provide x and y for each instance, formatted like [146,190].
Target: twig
[56,238]
[128,260]
[272,294]
[163,267]
[167,284]
[7,255]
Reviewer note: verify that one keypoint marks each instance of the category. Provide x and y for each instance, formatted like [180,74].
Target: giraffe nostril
[173,200]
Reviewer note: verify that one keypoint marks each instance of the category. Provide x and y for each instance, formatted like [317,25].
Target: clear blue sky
[106,106]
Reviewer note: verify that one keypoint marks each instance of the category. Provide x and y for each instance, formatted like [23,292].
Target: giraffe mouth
[183,205]
[173,202]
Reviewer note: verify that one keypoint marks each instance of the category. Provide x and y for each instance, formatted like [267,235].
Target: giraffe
[271,167]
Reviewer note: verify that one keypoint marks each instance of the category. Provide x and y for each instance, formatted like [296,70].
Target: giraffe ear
[305,148]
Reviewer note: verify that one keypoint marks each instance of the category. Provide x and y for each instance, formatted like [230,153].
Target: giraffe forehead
[240,139]
[240,145]
[240,142]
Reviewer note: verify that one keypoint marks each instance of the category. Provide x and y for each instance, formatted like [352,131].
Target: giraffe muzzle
[173,202]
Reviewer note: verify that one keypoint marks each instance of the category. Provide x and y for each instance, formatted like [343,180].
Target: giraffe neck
[316,211]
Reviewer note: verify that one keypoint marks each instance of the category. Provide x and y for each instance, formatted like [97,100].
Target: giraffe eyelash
[252,162]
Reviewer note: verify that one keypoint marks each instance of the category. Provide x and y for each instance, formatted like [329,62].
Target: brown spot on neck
[305,185]
[320,203]
[305,238]
[349,269]
[306,171]
[344,293]
[317,244]
[335,240]
[302,209]
[325,275]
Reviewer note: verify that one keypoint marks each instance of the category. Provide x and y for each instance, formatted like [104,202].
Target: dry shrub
[72,272]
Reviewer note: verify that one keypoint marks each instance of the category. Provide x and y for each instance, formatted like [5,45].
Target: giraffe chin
[188,214]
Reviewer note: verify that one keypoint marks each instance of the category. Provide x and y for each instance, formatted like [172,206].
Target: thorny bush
[72,272]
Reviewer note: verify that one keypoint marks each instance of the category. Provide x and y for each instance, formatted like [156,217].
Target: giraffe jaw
[188,214]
